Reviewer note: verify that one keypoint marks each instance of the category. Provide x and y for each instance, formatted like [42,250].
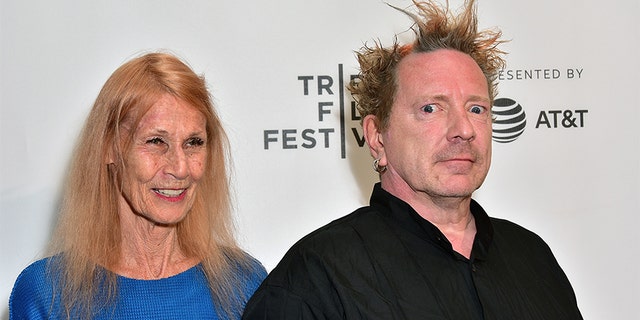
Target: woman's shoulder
[252,269]
[33,275]
[249,272]
[32,292]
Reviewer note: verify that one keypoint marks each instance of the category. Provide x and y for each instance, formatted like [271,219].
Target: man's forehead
[440,67]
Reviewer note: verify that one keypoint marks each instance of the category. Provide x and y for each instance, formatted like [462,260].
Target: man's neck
[451,215]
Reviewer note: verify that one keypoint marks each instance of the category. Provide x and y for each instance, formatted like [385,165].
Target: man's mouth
[458,158]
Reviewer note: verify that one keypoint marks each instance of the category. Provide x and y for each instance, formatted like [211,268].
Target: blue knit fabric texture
[182,296]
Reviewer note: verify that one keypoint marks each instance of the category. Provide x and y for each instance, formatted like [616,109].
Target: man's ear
[373,135]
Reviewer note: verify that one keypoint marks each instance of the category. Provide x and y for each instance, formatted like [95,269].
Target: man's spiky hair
[435,28]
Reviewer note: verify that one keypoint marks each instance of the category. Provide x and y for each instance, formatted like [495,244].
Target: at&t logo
[510,120]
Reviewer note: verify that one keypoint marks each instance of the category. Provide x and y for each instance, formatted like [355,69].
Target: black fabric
[386,262]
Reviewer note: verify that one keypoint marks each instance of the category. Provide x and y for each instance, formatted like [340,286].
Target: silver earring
[377,167]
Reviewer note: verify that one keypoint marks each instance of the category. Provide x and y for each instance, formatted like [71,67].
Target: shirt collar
[410,220]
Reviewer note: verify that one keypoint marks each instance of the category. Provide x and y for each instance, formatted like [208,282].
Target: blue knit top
[182,296]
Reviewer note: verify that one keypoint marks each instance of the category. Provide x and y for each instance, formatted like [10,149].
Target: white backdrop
[573,176]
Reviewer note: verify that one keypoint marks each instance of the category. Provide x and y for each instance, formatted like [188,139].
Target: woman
[145,229]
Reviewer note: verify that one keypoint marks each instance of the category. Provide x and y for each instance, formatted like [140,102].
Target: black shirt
[384,261]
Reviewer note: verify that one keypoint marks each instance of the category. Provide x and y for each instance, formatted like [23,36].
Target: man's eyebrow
[475,98]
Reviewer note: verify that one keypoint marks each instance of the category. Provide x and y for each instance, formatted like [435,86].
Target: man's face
[438,139]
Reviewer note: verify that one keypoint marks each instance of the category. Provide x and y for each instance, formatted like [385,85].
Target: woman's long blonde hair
[87,239]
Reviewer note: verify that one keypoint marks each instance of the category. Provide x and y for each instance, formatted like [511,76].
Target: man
[423,249]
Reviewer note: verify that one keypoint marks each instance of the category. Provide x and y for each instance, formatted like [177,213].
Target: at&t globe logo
[509,120]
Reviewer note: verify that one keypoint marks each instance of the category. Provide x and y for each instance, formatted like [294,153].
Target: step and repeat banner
[566,160]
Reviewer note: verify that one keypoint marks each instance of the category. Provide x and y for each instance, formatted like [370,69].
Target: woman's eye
[155,141]
[195,142]
[429,108]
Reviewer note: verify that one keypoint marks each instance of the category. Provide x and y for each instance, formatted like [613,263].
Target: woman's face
[164,162]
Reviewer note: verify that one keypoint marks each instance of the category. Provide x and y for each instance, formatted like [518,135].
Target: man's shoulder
[338,242]
[512,235]
[343,231]
[321,262]
[511,228]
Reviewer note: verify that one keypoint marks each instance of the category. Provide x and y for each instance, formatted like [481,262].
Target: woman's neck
[150,251]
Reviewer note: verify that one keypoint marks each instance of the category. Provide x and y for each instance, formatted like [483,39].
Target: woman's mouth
[171,194]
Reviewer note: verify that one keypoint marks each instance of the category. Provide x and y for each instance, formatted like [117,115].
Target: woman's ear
[110,158]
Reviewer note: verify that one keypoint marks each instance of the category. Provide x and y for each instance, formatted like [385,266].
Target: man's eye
[476,109]
[155,141]
[429,108]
